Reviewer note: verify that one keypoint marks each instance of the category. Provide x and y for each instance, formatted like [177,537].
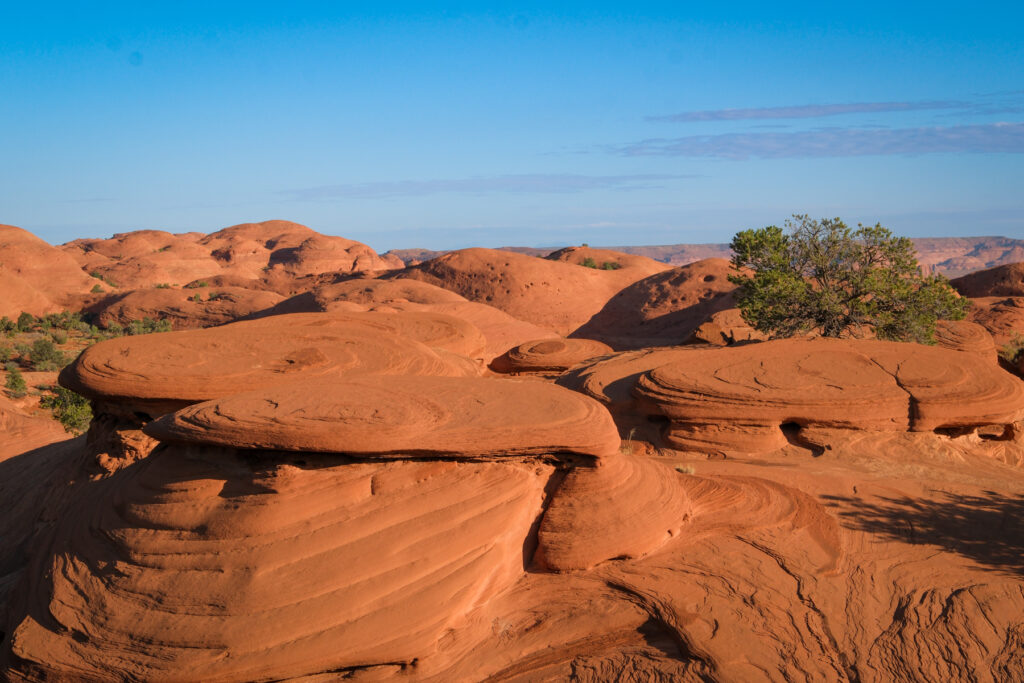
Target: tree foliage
[73,411]
[823,276]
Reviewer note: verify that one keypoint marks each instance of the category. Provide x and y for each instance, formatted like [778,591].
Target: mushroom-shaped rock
[163,372]
[737,399]
[964,335]
[402,417]
[549,355]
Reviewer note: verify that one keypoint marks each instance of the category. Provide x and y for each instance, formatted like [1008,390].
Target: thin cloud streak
[993,138]
[807,111]
[521,184]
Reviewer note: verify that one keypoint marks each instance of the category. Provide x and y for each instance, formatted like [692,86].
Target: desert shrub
[96,289]
[44,356]
[7,325]
[1014,349]
[589,262]
[826,277]
[26,321]
[148,326]
[196,297]
[59,336]
[610,265]
[197,284]
[22,349]
[70,409]
[5,353]
[96,274]
[15,383]
[163,285]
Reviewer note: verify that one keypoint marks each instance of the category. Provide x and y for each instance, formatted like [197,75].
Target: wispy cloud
[525,183]
[839,142]
[807,111]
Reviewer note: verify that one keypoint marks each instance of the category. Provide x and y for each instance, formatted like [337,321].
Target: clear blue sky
[443,126]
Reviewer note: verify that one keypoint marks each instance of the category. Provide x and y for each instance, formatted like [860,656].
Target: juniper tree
[821,275]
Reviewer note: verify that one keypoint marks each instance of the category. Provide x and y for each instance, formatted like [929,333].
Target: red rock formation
[552,294]
[662,309]
[36,277]
[401,416]
[501,331]
[215,306]
[1002,317]
[742,399]
[963,335]
[725,328]
[1005,280]
[548,356]
[163,372]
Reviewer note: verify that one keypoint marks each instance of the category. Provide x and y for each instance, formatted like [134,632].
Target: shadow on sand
[987,528]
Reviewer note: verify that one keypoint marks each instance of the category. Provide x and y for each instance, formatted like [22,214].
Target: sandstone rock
[401,416]
[549,355]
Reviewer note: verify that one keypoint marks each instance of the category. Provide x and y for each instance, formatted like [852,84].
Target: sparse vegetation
[70,409]
[163,285]
[45,356]
[197,284]
[589,262]
[1013,351]
[610,265]
[15,384]
[823,276]
[25,322]
[96,289]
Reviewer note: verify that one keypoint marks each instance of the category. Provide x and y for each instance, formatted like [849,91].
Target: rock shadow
[987,528]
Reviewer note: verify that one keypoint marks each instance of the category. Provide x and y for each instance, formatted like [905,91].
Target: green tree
[821,275]
[15,382]
[26,321]
[44,355]
[73,411]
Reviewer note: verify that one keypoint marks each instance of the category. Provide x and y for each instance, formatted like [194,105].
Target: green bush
[163,285]
[96,289]
[44,356]
[589,262]
[59,337]
[5,353]
[70,409]
[148,326]
[610,265]
[26,321]
[7,325]
[1014,349]
[15,383]
[826,277]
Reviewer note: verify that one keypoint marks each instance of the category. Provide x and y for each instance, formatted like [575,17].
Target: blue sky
[444,126]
